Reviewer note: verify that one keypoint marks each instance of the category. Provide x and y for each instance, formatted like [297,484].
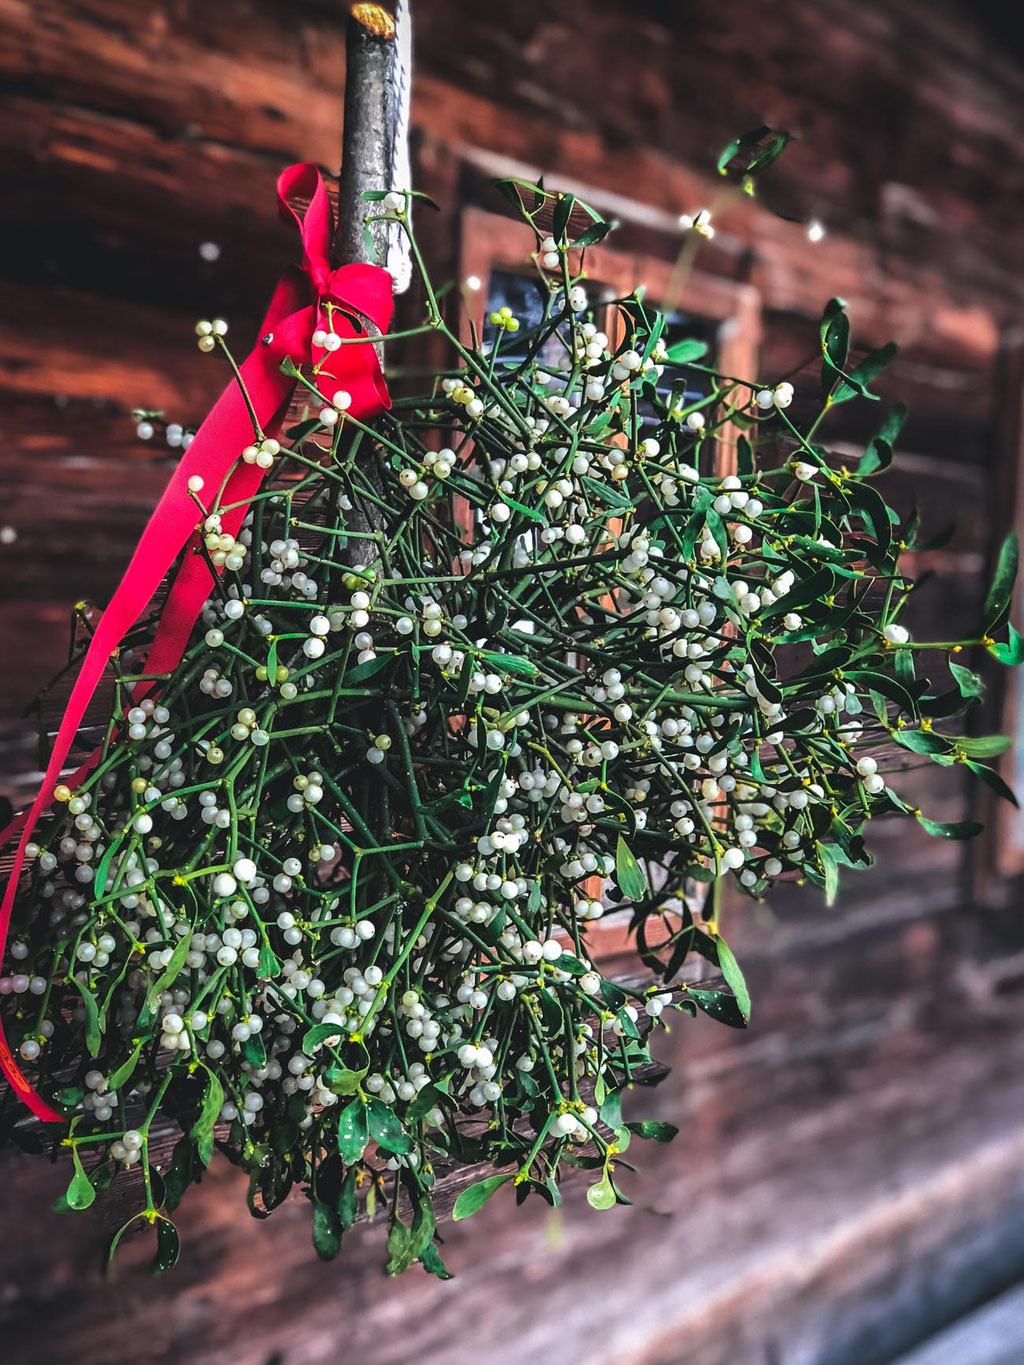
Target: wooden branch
[369,134]
[374,147]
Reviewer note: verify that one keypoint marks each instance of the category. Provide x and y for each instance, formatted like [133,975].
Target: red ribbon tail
[213,451]
[294,314]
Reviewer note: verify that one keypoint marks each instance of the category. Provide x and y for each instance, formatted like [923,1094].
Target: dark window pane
[525,296]
[521,293]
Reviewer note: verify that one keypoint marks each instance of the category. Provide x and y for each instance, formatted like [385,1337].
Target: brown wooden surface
[823,1175]
[849,1175]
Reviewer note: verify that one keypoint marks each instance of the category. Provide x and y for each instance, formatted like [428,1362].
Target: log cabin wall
[850,1173]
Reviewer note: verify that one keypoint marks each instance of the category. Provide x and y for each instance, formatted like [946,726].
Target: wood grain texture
[849,1174]
[819,1181]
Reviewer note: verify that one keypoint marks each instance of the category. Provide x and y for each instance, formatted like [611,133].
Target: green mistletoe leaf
[983,746]
[339,1080]
[400,1250]
[969,683]
[835,344]
[992,779]
[602,1195]
[648,1128]
[170,973]
[687,351]
[530,513]
[753,151]
[960,829]
[254,1050]
[719,1005]
[348,1205]
[430,1260]
[830,869]
[997,601]
[875,513]
[430,1097]
[734,978]
[564,204]
[268,965]
[93,1024]
[301,430]
[319,1034]
[1012,652]
[628,873]
[886,686]
[509,663]
[361,672]
[571,964]
[353,1131]
[202,1130]
[326,1230]
[476,1196]
[861,375]
[168,1245]
[386,1127]
[117,1079]
[81,1192]
[181,1172]
[921,741]
[606,494]
[597,232]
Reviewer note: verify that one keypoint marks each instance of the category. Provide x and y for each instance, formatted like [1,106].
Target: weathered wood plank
[83,346]
[989,1336]
[712,1262]
[196,113]
[849,1170]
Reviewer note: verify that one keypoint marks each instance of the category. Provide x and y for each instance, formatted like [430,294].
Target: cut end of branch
[377,21]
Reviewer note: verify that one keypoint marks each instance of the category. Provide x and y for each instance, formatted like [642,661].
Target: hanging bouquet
[468,677]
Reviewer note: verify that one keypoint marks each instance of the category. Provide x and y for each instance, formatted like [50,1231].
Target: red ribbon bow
[298,310]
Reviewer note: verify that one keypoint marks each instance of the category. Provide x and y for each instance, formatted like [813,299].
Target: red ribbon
[297,310]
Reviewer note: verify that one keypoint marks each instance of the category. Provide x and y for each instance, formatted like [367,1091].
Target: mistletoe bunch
[516,655]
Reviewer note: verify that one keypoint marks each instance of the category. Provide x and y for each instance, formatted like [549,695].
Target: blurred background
[848,1184]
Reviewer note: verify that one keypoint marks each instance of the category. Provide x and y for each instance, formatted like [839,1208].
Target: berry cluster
[329,896]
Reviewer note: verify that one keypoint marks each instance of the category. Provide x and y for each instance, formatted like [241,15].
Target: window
[495,258]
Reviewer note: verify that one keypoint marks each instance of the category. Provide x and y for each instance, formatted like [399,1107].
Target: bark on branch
[371,126]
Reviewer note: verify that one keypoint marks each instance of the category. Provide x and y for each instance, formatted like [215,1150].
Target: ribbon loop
[304,181]
[295,312]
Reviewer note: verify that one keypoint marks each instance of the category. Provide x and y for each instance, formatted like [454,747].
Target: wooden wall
[850,1172]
